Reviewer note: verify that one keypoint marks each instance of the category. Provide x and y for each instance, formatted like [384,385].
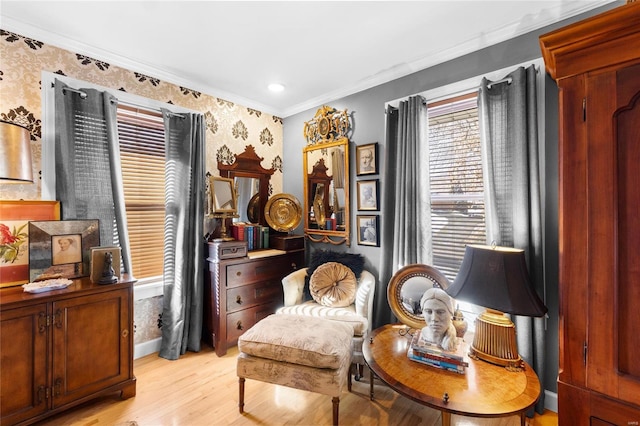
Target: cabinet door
[23,363]
[613,194]
[90,344]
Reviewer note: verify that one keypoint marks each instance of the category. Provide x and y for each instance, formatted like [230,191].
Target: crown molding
[113,58]
[555,14]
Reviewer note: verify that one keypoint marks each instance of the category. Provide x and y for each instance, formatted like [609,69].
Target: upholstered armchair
[358,314]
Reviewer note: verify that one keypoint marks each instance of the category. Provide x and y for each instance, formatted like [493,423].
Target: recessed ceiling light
[276,87]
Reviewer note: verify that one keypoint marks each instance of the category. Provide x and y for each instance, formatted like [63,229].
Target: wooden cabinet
[240,292]
[64,347]
[596,64]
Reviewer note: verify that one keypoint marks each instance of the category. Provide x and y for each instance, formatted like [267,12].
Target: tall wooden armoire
[596,64]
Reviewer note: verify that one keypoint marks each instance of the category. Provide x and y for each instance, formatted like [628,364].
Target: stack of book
[433,355]
[256,236]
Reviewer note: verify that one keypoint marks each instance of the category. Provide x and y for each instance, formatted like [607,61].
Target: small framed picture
[368,194]
[61,248]
[367,159]
[368,234]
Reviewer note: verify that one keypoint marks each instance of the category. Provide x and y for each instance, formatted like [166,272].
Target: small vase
[459,322]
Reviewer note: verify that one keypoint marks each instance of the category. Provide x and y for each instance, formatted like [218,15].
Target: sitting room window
[142,154]
[141,134]
[455,173]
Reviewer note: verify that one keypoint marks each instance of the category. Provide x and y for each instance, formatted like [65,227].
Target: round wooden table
[485,390]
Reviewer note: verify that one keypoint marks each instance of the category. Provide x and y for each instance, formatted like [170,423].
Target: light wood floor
[202,389]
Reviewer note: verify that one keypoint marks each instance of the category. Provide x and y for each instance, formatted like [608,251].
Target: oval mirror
[406,288]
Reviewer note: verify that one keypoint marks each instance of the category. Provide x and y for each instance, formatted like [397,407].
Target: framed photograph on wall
[367,194]
[368,232]
[367,159]
[61,248]
[14,236]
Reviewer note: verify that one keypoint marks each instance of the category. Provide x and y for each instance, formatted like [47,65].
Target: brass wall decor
[328,124]
[326,177]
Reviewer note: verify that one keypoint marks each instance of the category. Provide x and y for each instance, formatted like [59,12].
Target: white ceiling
[319,50]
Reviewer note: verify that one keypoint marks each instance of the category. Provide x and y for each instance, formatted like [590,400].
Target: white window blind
[455,170]
[142,153]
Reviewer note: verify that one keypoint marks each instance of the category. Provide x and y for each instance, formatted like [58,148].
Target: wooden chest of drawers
[240,292]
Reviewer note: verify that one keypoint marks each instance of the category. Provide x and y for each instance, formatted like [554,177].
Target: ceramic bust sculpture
[437,309]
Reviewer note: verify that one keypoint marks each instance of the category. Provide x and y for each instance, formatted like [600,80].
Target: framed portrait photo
[14,236]
[367,159]
[368,232]
[61,248]
[367,194]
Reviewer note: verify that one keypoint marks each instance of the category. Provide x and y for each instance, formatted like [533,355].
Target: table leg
[371,383]
[523,419]
[446,418]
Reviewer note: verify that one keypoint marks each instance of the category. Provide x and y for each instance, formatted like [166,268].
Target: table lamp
[15,153]
[497,279]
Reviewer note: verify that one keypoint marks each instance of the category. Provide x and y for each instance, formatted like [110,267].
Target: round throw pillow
[333,284]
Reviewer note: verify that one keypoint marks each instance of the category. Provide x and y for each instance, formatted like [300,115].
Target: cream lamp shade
[15,153]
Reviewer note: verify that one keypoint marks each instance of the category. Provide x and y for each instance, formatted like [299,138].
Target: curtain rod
[507,80]
[172,114]
[83,95]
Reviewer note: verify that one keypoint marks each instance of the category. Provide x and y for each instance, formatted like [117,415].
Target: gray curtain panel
[88,170]
[406,230]
[184,243]
[509,137]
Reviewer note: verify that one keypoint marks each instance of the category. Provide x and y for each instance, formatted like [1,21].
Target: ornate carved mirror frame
[326,177]
[247,165]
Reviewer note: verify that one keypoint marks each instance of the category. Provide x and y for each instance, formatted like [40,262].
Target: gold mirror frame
[223,195]
[433,277]
[326,177]
[322,206]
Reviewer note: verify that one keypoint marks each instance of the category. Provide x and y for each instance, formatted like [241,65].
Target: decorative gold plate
[283,212]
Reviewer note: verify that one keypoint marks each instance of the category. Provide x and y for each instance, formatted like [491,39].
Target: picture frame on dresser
[51,241]
[14,249]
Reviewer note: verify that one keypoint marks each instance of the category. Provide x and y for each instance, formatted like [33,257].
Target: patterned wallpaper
[230,127]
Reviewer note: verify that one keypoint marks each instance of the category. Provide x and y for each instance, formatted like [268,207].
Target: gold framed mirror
[326,177]
[223,195]
[406,288]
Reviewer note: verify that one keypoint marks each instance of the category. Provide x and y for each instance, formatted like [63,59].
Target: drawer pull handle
[293,266]
[125,332]
[239,325]
[238,273]
[239,300]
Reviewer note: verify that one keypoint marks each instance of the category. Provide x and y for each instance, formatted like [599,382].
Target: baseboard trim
[147,348]
[551,401]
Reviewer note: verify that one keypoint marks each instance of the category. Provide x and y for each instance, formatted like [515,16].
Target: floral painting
[13,239]
[14,236]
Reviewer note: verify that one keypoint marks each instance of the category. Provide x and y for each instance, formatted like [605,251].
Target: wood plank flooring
[201,389]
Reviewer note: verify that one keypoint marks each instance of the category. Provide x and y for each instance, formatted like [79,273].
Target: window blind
[142,154]
[455,170]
